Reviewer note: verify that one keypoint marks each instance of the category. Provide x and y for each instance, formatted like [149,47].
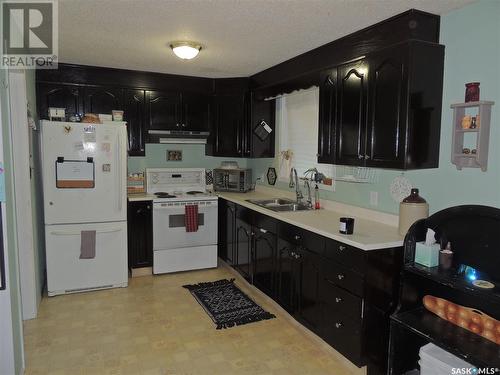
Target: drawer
[349,256]
[344,335]
[343,277]
[340,301]
[265,222]
[301,237]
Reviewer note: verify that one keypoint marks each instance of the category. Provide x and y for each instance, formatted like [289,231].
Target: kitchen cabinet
[102,99]
[264,258]
[133,105]
[388,108]
[327,116]
[341,293]
[236,115]
[176,111]
[140,234]
[227,231]
[59,95]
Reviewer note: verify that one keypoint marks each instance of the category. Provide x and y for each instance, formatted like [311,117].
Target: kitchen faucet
[292,183]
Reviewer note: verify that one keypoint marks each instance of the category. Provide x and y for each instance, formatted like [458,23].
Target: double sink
[280,204]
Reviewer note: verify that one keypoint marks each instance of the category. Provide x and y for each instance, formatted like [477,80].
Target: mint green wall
[13,265]
[472,53]
[193,156]
[36,191]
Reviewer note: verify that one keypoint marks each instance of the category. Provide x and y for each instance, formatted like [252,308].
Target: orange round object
[476,328]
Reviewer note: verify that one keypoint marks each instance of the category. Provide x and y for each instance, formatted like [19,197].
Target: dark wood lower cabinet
[343,294]
[140,234]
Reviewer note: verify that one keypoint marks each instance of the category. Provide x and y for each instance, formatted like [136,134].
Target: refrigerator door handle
[69,233]
[119,166]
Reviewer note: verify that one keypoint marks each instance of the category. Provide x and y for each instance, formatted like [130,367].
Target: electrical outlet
[373,198]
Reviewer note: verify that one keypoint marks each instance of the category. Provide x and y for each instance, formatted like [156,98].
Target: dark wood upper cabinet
[195,112]
[163,110]
[387,108]
[102,99]
[351,114]
[59,95]
[388,111]
[134,115]
[226,137]
[327,116]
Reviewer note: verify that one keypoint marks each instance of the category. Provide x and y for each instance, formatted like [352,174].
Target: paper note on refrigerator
[75,174]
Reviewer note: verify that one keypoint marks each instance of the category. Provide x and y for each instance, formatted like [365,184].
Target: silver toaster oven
[237,180]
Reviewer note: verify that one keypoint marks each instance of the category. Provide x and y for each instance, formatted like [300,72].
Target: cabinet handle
[338,325]
[178,125]
[338,299]
[340,276]
[367,157]
[342,248]
[360,157]
[297,237]
[183,125]
[263,230]
[148,207]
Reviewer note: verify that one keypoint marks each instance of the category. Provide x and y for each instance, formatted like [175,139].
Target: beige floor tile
[155,327]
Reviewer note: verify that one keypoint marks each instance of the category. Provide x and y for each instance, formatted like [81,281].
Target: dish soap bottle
[317,204]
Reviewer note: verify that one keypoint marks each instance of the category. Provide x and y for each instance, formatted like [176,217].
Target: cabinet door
[387,109]
[309,281]
[351,120]
[102,99]
[243,259]
[163,110]
[264,255]
[256,112]
[135,118]
[228,125]
[286,276]
[59,96]
[327,116]
[230,233]
[140,234]
[195,108]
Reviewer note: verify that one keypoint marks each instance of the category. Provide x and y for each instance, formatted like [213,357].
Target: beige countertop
[372,229]
[369,234]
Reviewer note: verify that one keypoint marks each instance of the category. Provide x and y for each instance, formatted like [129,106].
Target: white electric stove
[174,249]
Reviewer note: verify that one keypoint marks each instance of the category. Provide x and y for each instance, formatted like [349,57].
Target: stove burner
[195,192]
[162,194]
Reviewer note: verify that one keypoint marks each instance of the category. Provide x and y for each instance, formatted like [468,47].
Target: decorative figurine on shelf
[472,92]
[473,124]
[466,122]
[468,318]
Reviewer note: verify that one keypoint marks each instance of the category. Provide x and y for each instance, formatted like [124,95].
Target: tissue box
[427,255]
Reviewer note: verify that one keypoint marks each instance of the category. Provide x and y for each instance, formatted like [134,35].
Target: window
[297,120]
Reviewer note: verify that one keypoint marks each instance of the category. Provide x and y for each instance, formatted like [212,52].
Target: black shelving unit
[473,233]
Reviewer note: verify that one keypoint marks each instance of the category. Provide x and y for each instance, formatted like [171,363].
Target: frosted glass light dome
[185,50]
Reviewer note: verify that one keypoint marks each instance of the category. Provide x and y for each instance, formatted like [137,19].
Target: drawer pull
[338,299]
[297,237]
[342,248]
[338,325]
[340,276]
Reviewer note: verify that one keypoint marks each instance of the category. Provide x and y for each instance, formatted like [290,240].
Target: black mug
[346,225]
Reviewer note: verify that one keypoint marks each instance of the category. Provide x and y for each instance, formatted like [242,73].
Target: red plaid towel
[191,217]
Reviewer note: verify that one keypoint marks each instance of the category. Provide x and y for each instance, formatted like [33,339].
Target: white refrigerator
[85,203]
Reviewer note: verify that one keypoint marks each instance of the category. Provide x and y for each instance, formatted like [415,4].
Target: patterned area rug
[226,304]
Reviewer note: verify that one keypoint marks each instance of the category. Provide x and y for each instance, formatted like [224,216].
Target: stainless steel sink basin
[280,204]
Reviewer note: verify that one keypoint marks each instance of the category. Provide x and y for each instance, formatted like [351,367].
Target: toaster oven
[237,180]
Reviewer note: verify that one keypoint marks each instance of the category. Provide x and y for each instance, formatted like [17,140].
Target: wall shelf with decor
[471,134]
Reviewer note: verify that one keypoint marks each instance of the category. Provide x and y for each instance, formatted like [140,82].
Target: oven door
[169,230]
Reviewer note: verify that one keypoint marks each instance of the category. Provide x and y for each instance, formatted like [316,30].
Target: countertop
[369,232]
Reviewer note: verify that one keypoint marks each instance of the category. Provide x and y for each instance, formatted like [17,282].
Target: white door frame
[20,138]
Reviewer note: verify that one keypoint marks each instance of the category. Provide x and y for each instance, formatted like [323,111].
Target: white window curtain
[298,131]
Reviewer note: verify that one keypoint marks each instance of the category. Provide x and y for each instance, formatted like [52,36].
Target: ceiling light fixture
[185,50]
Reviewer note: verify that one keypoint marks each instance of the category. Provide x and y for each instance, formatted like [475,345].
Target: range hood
[178,136]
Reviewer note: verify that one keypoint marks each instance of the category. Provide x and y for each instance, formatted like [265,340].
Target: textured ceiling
[240,37]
